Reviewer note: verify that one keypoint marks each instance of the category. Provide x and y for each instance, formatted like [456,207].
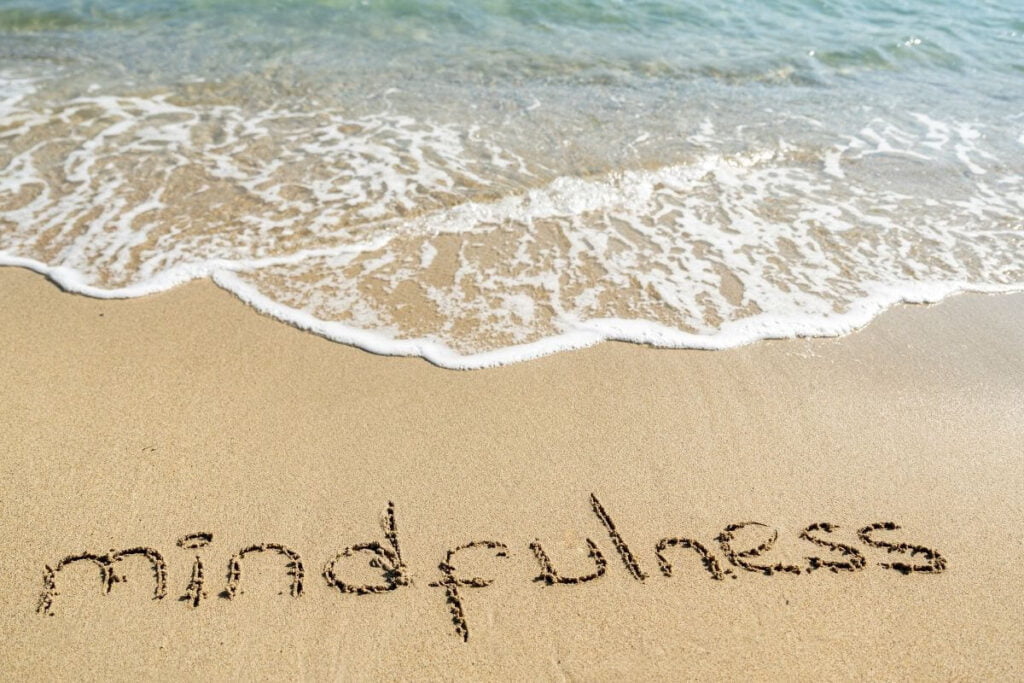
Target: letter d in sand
[387,559]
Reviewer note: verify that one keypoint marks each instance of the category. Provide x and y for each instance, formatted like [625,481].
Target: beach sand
[134,423]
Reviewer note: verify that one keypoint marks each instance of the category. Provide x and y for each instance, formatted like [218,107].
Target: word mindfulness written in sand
[725,558]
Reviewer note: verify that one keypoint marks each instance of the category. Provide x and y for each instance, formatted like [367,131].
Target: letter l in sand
[628,559]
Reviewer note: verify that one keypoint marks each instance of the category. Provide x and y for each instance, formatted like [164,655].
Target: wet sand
[131,424]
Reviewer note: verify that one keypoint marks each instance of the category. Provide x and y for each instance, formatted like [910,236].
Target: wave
[470,248]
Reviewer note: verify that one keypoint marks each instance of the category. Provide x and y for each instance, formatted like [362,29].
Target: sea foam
[453,242]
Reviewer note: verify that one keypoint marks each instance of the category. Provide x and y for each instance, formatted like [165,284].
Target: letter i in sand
[194,593]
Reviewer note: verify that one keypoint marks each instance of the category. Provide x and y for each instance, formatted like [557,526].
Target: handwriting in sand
[386,559]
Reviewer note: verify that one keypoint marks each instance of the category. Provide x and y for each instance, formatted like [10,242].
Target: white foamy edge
[580,334]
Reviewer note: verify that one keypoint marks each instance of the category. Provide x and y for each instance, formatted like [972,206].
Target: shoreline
[133,423]
[732,335]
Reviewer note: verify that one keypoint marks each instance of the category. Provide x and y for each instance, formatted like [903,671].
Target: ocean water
[485,181]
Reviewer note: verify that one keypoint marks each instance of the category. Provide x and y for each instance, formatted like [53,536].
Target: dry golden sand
[133,423]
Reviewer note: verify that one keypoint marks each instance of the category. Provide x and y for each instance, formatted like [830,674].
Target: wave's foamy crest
[456,243]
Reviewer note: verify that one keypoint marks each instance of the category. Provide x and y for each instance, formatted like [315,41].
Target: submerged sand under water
[476,241]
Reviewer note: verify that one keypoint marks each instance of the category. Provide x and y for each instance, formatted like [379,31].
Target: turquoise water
[954,47]
[485,181]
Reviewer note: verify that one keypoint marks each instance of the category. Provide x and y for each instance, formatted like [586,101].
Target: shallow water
[483,182]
